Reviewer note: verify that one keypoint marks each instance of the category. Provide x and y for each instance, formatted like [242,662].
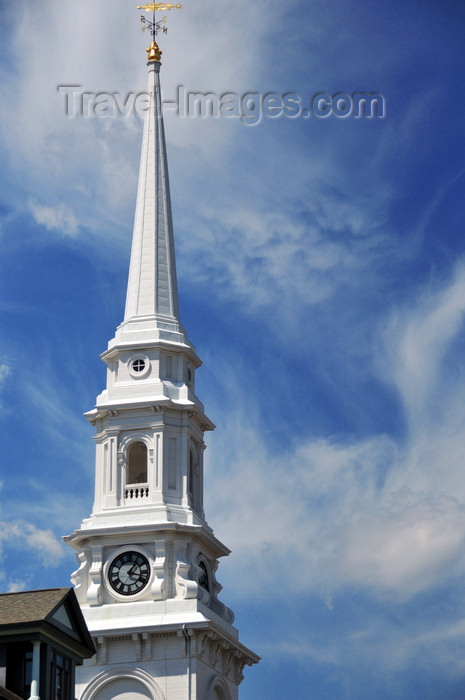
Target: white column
[35,671]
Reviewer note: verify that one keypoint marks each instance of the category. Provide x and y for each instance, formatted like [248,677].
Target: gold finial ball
[154,53]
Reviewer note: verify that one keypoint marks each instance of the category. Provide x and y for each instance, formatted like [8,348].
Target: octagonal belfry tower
[146,579]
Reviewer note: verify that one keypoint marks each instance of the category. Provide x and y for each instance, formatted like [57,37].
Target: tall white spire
[152,309]
[146,579]
[152,289]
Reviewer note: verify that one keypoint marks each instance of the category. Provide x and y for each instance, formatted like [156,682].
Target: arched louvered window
[137,463]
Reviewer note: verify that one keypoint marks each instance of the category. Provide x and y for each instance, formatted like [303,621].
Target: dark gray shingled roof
[41,611]
[29,606]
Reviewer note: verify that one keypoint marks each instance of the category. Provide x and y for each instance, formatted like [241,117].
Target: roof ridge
[36,590]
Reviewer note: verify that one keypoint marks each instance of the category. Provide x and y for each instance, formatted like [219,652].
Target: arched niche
[123,684]
[137,463]
[218,689]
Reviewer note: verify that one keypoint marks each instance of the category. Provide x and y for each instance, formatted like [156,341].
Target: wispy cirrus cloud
[27,536]
[381,513]
[4,371]
[418,340]
[278,258]
[324,507]
[42,547]
[94,192]
[55,218]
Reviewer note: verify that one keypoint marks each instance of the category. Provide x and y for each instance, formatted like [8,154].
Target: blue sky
[321,267]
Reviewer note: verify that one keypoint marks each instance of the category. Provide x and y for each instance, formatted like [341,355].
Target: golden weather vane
[154,26]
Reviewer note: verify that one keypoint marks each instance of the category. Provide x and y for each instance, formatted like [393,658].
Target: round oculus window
[139,366]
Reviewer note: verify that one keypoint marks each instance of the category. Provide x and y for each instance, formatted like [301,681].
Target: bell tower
[147,559]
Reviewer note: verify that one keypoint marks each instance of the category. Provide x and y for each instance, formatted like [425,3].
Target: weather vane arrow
[154,26]
[154,6]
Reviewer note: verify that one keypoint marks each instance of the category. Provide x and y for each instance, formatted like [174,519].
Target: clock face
[129,573]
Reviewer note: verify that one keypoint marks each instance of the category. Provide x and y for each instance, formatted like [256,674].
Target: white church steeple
[152,289]
[151,363]
[147,559]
